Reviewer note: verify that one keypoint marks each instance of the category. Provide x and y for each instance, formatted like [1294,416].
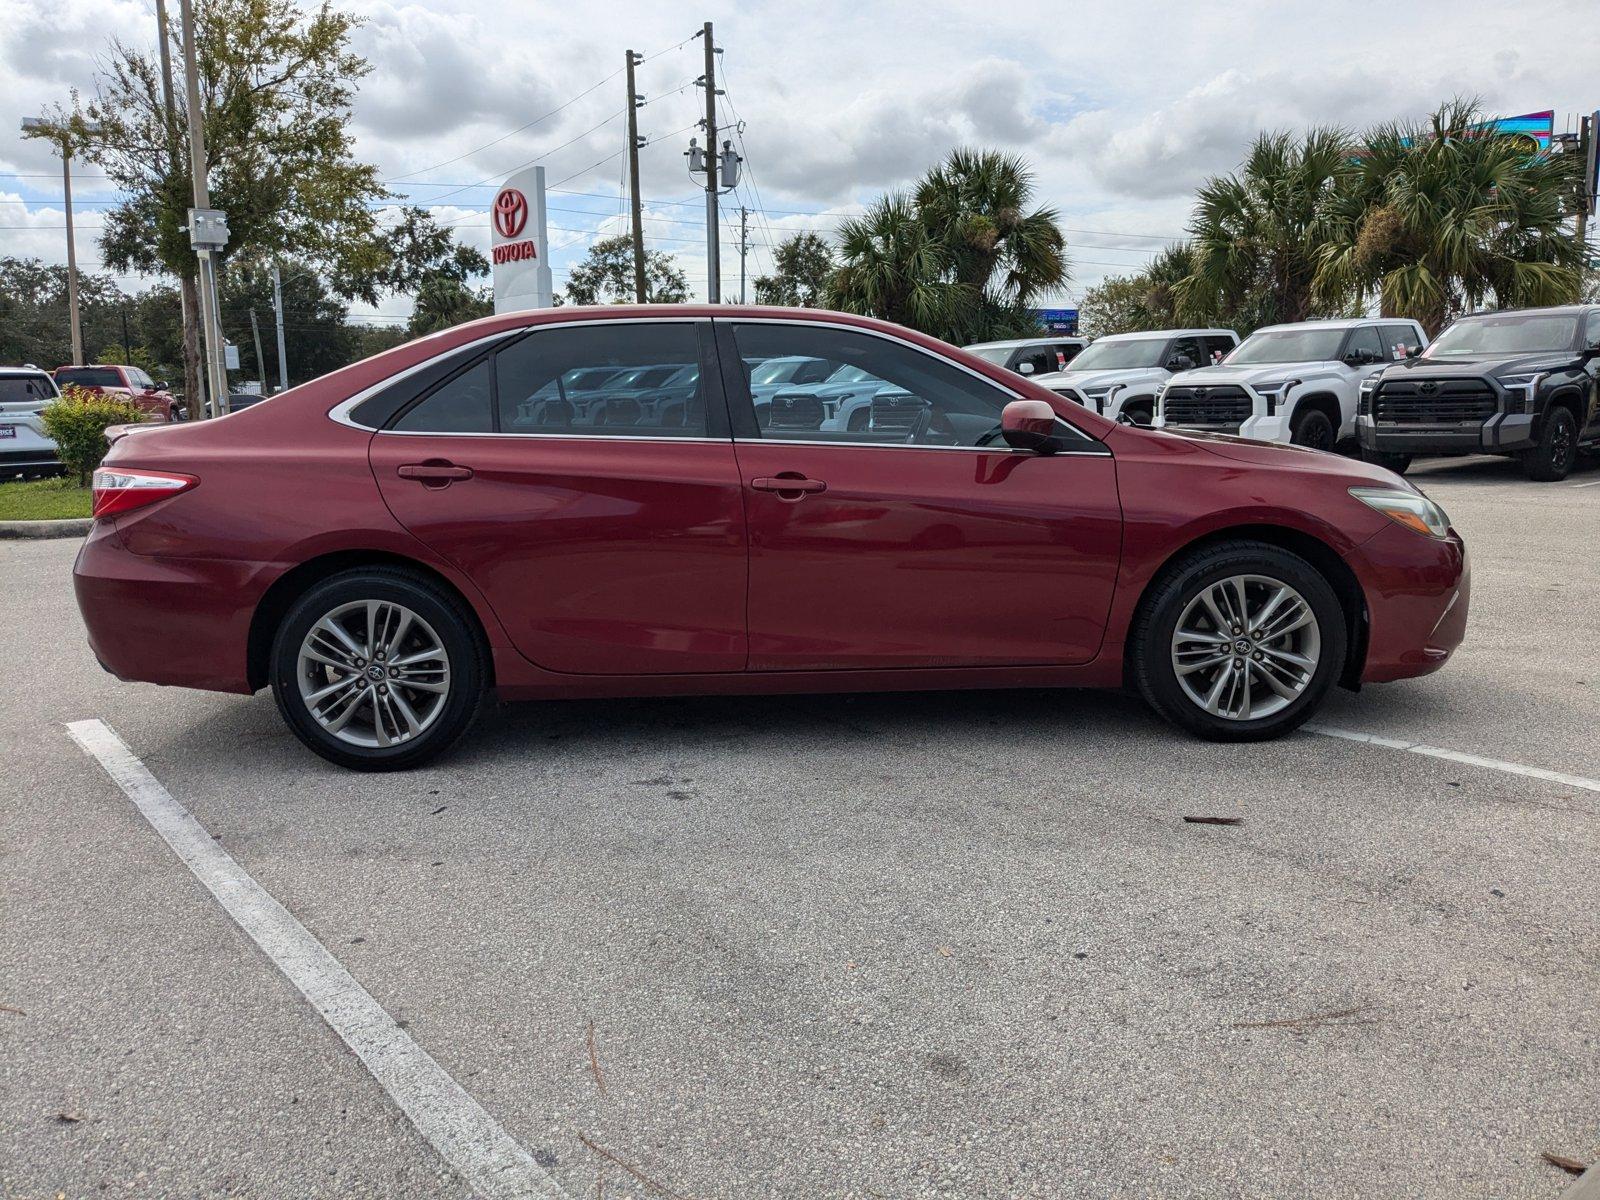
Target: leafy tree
[1441,216]
[801,266]
[1148,300]
[960,256]
[443,302]
[1257,234]
[418,248]
[34,322]
[276,87]
[605,276]
[317,334]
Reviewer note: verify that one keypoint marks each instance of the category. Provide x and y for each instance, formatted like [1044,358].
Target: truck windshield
[1121,356]
[1287,345]
[1513,333]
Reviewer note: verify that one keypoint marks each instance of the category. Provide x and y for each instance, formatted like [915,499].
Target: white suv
[1119,375]
[1290,383]
[1030,356]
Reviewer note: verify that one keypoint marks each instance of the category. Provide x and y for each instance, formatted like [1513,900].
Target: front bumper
[1418,590]
[1503,433]
[1261,428]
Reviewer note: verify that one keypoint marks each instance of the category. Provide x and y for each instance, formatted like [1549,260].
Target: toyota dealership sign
[521,243]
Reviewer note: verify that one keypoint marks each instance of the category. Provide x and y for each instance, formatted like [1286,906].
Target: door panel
[599,556]
[913,557]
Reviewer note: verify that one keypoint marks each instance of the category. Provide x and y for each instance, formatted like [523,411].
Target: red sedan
[595,502]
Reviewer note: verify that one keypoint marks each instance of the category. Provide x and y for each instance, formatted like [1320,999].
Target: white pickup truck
[1290,383]
[1119,375]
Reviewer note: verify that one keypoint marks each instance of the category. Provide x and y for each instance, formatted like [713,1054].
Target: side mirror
[1029,425]
[1180,362]
[1025,368]
[163,386]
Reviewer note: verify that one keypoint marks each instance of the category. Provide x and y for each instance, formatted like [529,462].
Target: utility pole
[261,363]
[634,142]
[208,228]
[744,247]
[713,234]
[42,127]
[127,346]
[277,308]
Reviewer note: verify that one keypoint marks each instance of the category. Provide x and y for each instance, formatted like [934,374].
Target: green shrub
[78,423]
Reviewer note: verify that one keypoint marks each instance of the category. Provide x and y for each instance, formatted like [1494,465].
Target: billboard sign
[520,243]
[1058,320]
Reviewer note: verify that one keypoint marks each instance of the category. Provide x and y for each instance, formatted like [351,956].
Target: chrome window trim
[566,437]
[1093,446]
[340,413]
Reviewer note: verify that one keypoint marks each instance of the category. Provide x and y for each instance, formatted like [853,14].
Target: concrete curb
[1586,1187]
[77,527]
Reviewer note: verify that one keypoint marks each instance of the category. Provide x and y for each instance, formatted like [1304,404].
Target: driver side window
[874,390]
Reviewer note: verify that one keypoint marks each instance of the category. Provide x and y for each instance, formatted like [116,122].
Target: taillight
[118,491]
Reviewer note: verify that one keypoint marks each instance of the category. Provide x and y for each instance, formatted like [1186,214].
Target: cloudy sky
[1122,107]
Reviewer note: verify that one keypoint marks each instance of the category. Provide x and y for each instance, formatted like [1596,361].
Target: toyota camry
[588,502]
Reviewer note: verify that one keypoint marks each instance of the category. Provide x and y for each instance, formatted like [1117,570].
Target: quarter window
[633,379]
[458,405]
[882,392]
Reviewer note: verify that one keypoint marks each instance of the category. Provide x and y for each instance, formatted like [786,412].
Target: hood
[1286,457]
[1257,373]
[1127,376]
[1484,367]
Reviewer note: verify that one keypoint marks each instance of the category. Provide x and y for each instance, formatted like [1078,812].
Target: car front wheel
[1313,430]
[378,669]
[1552,459]
[1238,642]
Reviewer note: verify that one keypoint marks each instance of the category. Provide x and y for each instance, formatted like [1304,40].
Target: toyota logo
[510,212]
[1200,392]
[1428,389]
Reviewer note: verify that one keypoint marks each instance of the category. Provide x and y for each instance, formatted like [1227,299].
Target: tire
[177,412]
[1178,594]
[1313,430]
[1398,463]
[1553,458]
[391,724]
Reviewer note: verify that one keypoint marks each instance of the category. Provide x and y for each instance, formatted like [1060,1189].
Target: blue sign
[1058,320]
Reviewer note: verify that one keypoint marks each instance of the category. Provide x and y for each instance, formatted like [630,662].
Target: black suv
[1521,382]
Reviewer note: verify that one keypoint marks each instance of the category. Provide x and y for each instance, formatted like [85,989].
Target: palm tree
[890,267]
[976,203]
[1438,217]
[1256,233]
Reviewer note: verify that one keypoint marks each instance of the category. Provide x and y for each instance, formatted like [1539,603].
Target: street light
[39,127]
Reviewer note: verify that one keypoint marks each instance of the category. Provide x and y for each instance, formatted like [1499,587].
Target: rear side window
[1066,352]
[459,405]
[19,389]
[634,379]
[1216,348]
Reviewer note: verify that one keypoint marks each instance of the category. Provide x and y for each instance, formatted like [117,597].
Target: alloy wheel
[1246,647]
[373,673]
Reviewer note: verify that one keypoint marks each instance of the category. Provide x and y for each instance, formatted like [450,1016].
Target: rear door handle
[436,474]
[795,484]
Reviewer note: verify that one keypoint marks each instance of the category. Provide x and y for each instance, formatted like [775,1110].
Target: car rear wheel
[1238,642]
[378,669]
[1313,430]
[1552,459]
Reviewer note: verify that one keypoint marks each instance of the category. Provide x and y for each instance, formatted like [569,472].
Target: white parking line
[1471,760]
[1591,483]
[491,1162]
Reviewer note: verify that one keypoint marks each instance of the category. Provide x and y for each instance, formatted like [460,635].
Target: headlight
[1368,385]
[1274,392]
[1520,389]
[1411,509]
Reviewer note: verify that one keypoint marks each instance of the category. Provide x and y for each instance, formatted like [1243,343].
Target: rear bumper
[1418,592]
[178,621]
[1503,433]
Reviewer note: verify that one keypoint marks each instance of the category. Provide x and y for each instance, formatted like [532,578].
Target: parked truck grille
[1434,402]
[1219,404]
[896,411]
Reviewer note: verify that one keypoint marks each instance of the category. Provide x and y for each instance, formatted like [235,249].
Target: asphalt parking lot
[887,946]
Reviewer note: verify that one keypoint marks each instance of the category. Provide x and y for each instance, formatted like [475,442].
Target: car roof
[24,371]
[1338,323]
[1563,309]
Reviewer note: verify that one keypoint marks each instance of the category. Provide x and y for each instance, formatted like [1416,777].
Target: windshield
[1121,356]
[994,354]
[1518,333]
[104,377]
[849,374]
[1287,345]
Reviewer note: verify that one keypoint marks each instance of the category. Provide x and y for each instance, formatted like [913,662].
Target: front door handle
[436,473]
[791,485]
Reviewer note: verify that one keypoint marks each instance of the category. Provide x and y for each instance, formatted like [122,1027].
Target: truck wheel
[1557,450]
[1238,642]
[1313,430]
[1391,462]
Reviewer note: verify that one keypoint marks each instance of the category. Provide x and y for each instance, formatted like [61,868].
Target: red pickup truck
[131,382]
